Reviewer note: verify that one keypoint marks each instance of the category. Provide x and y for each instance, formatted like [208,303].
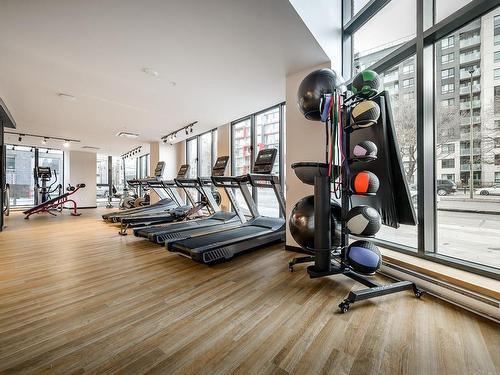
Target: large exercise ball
[363,221]
[363,257]
[311,90]
[366,84]
[365,149]
[301,223]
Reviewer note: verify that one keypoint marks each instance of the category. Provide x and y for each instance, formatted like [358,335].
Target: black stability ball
[311,90]
[301,223]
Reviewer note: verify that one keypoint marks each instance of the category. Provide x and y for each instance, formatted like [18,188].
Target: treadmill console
[160,167]
[43,172]
[220,166]
[183,171]
[265,161]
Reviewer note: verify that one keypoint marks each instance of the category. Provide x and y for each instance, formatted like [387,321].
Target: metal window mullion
[364,15]
[253,138]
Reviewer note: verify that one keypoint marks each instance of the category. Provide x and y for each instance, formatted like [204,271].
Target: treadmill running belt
[185,225]
[232,234]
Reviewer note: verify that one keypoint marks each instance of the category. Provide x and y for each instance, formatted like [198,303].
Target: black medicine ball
[311,90]
[365,149]
[363,221]
[366,84]
[365,114]
[363,257]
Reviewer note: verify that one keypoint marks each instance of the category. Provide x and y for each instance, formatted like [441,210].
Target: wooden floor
[77,298]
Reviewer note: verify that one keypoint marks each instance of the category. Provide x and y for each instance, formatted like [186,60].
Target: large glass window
[205,158]
[102,189]
[130,166]
[192,157]
[368,50]
[467,221]
[459,72]
[54,160]
[143,166]
[20,163]
[259,131]
[405,117]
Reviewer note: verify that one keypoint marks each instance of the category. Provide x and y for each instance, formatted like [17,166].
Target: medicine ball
[365,149]
[365,182]
[363,221]
[366,84]
[363,257]
[301,223]
[365,114]
[311,90]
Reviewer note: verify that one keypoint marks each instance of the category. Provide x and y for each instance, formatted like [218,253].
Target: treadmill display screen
[183,171]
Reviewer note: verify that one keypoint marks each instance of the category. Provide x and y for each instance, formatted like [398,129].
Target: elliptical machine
[323,228]
[42,176]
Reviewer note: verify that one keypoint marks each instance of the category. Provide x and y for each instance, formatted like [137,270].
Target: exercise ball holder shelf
[326,264]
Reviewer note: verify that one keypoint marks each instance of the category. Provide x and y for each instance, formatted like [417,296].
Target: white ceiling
[228,58]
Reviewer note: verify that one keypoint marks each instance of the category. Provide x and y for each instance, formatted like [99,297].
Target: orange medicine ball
[365,182]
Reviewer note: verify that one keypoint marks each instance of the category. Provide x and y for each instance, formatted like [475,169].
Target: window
[469,51]
[408,96]
[130,168]
[448,148]
[404,114]
[143,166]
[448,163]
[448,42]
[408,69]
[449,176]
[19,175]
[447,58]
[496,23]
[447,88]
[448,102]
[408,83]
[389,38]
[448,73]
[497,56]
[192,157]
[497,159]
[102,190]
[444,8]
[256,132]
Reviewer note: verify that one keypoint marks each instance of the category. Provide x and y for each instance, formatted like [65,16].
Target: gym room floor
[78,298]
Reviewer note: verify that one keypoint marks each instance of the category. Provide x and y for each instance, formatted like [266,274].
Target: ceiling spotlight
[31,149]
[150,72]
[172,83]
[44,141]
[191,129]
[20,139]
[47,151]
[13,148]
[66,143]
[187,132]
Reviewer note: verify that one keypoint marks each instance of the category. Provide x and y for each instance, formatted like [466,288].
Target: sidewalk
[459,203]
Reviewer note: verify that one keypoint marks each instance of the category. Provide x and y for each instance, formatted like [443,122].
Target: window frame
[428,32]
[281,159]
[213,149]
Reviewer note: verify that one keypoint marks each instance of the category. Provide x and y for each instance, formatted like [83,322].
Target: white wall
[168,154]
[305,141]
[81,168]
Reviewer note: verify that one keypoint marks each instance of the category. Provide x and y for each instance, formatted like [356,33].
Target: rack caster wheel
[344,306]
[418,293]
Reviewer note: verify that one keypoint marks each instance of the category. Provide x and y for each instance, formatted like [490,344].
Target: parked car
[445,187]
[492,190]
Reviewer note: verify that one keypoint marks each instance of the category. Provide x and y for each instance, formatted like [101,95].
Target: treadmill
[256,232]
[165,214]
[164,195]
[219,220]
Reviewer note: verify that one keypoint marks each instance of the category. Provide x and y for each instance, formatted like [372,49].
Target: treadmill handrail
[229,181]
